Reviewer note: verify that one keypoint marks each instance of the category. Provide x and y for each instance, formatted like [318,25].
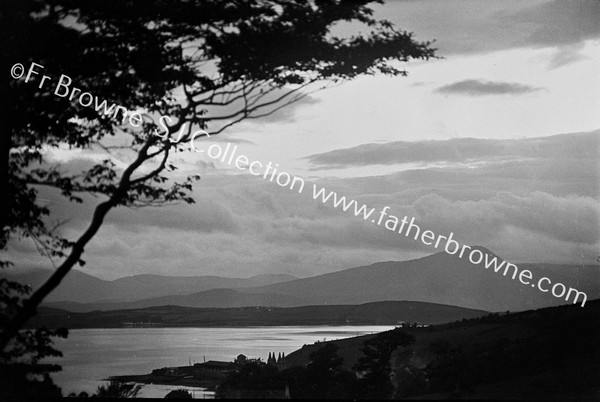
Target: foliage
[252,380]
[325,360]
[322,378]
[178,394]
[376,362]
[540,343]
[21,374]
[116,389]
[538,352]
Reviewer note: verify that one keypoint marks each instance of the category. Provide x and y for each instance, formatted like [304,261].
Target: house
[242,360]
[215,366]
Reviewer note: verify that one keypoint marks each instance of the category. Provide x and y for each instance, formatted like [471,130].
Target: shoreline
[207,384]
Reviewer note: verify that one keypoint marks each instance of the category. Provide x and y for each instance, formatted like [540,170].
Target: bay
[92,355]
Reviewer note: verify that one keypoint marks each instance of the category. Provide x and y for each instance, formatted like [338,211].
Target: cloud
[288,114]
[481,88]
[577,146]
[467,26]
[558,22]
[566,55]
[528,200]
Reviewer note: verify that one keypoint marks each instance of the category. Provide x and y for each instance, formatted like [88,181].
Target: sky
[498,142]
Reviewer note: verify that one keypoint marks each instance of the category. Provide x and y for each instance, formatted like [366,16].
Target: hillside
[546,353]
[382,313]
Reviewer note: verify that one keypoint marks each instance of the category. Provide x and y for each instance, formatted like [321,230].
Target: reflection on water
[91,355]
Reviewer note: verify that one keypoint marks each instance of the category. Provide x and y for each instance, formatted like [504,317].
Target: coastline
[209,384]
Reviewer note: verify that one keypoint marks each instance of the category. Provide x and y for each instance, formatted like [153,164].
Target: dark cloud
[578,146]
[558,22]
[481,88]
[467,26]
[229,139]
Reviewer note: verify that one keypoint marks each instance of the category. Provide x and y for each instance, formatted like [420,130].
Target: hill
[79,287]
[439,278]
[546,353]
[216,298]
[382,313]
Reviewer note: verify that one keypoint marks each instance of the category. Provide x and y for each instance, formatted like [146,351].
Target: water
[91,355]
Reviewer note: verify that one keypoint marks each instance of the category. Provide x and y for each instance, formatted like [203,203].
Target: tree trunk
[11,26]
[30,305]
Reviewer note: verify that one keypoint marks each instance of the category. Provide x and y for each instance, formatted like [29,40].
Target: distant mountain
[382,313]
[439,278]
[221,298]
[79,287]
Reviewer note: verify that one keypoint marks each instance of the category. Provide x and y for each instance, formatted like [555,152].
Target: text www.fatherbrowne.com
[451,246]
[405,225]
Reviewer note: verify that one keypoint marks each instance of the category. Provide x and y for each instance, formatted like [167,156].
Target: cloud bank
[474,87]
[529,200]
[579,146]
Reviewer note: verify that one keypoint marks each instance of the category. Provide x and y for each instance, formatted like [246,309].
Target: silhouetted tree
[252,380]
[325,360]
[376,362]
[204,64]
[116,389]
[178,394]
[21,374]
[452,371]
[324,377]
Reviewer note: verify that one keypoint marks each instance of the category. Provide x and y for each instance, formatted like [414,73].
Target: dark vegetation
[112,390]
[116,389]
[21,373]
[178,394]
[323,377]
[547,353]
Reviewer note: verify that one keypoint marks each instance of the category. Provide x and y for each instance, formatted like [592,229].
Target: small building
[215,366]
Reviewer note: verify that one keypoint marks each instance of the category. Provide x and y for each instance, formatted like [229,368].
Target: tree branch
[31,304]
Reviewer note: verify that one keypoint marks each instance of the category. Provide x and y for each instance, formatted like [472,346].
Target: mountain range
[83,288]
[439,278]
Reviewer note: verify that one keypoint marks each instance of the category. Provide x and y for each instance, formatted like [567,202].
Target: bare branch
[156,171]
